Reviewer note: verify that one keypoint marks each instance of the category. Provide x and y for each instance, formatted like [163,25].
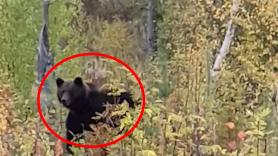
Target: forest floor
[7,98]
[20,134]
[17,132]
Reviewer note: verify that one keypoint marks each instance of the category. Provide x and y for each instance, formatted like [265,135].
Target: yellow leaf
[146,153]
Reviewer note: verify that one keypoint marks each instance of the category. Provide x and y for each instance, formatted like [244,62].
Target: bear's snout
[65,100]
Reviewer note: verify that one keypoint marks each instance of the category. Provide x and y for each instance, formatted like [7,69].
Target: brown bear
[83,101]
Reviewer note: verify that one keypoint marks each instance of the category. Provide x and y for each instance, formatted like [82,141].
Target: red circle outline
[100,55]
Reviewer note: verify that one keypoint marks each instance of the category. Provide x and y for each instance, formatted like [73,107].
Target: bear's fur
[83,101]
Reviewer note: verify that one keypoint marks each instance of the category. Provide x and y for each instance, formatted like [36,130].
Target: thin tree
[224,50]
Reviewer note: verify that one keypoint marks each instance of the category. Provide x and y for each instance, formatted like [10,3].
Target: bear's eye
[62,92]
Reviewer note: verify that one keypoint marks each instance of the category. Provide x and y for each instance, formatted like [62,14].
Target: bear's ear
[59,82]
[78,81]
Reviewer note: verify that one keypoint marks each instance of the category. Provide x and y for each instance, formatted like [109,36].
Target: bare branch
[224,50]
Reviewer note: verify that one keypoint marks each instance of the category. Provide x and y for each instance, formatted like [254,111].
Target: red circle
[84,55]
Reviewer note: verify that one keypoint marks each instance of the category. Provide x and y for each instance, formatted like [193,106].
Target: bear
[83,101]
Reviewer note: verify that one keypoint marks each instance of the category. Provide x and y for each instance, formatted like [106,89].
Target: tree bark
[150,28]
[44,57]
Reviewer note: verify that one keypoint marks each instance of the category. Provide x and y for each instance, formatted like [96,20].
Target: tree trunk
[150,28]
[224,50]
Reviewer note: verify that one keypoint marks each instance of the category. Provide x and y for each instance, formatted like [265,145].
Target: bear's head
[71,93]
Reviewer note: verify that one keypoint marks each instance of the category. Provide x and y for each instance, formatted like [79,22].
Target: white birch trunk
[224,50]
